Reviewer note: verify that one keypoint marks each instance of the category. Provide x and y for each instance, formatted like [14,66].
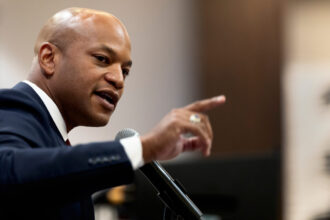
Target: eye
[102,59]
[125,72]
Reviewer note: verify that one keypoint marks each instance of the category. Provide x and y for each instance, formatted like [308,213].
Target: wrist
[147,149]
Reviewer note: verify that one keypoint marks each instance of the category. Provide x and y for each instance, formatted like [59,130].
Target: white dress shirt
[132,145]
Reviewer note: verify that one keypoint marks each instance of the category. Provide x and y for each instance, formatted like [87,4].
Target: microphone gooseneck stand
[178,206]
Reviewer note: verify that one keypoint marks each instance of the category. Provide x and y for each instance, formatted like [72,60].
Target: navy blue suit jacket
[40,176]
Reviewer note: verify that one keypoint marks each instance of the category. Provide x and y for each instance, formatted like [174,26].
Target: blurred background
[271,58]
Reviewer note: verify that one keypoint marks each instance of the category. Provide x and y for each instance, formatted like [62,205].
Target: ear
[46,58]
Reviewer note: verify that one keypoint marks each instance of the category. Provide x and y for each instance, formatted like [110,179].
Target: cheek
[83,87]
[71,86]
[75,76]
[80,78]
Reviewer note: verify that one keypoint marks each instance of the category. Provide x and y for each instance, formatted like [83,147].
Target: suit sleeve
[60,172]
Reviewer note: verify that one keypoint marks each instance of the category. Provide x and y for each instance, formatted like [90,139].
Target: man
[82,58]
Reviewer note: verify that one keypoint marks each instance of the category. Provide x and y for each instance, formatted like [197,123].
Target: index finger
[206,104]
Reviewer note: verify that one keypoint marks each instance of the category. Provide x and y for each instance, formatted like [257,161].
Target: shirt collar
[52,109]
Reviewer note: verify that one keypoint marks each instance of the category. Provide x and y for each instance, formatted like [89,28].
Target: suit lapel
[23,87]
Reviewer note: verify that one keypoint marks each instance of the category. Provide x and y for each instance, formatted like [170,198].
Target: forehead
[110,30]
[97,31]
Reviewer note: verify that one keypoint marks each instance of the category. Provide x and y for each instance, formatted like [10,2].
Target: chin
[95,119]
[100,121]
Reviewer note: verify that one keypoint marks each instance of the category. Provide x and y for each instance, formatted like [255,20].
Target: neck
[37,77]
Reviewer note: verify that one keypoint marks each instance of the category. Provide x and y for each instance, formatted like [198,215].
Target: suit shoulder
[21,114]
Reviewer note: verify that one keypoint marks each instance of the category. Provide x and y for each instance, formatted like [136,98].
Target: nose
[115,76]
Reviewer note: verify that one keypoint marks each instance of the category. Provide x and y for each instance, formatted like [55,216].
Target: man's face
[90,73]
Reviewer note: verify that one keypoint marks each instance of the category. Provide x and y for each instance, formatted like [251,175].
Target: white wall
[307,116]
[164,73]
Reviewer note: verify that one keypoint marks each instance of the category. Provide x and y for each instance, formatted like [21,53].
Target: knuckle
[204,117]
[175,113]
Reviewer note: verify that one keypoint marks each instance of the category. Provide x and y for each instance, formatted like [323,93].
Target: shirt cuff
[133,149]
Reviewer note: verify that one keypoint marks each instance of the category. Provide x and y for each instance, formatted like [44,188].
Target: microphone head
[125,133]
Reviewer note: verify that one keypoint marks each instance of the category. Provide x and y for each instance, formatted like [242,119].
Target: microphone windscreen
[125,133]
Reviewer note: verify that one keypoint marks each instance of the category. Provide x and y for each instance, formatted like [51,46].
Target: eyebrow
[111,52]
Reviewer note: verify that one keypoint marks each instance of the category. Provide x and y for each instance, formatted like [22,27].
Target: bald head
[72,24]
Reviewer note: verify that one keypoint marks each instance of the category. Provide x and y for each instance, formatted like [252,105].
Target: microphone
[170,191]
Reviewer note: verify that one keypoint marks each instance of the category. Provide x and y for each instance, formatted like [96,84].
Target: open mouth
[106,97]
